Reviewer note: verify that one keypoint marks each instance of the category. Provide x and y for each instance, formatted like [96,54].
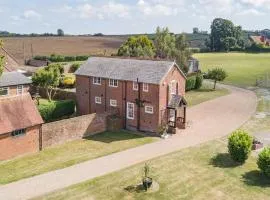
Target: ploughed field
[24,47]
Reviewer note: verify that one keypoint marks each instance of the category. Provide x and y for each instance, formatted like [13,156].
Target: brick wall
[12,90]
[18,145]
[74,128]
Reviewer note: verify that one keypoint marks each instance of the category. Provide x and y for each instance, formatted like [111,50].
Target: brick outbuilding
[140,91]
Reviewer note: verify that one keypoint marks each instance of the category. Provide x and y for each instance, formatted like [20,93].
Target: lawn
[242,68]
[202,172]
[205,93]
[69,154]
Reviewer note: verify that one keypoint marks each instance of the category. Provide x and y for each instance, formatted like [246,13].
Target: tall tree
[140,46]
[60,32]
[221,29]
[1,59]
[165,43]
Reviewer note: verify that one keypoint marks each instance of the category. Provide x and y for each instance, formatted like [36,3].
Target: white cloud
[62,9]
[251,11]
[31,14]
[257,3]
[109,10]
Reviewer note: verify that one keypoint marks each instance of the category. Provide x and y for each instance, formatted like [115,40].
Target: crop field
[25,47]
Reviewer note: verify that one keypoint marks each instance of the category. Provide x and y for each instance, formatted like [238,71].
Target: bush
[69,58]
[68,81]
[56,65]
[81,58]
[74,67]
[41,58]
[199,81]
[263,161]
[239,146]
[190,83]
[56,109]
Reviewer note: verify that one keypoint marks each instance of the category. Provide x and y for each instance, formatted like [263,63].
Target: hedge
[61,58]
[56,109]
[194,82]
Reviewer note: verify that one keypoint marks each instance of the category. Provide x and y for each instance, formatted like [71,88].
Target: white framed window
[145,87]
[149,109]
[96,80]
[98,100]
[18,132]
[113,102]
[130,110]
[113,83]
[4,91]
[173,87]
[135,86]
[19,89]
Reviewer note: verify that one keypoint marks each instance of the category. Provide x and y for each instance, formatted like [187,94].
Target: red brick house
[145,93]
[20,121]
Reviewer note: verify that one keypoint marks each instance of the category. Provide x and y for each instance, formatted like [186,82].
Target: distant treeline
[61,58]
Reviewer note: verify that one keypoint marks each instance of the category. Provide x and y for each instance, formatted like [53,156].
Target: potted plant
[147,181]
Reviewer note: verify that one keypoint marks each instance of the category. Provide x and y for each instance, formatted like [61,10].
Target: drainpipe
[139,108]
[125,110]
[105,95]
[40,137]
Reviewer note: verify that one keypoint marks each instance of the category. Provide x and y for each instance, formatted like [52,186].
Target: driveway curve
[207,121]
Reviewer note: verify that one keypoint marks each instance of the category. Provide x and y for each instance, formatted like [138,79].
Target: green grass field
[68,154]
[242,68]
[202,172]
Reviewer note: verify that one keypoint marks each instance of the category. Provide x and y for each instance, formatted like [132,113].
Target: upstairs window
[19,89]
[130,110]
[113,83]
[173,87]
[18,132]
[98,100]
[145,87]
[3,91]
[135,86]
[97,80]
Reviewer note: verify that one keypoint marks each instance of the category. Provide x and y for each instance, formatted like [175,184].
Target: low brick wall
[71,129]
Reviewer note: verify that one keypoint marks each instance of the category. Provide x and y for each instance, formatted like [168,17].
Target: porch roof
[176,101]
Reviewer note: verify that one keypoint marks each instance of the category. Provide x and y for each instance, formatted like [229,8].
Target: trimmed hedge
[194,82]
[239,145]
[263,161]
[56,109]
[74,67]
[61,58]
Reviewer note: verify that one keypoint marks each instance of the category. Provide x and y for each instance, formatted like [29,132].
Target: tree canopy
[60,32]
[217,74]
[1,59]
[140,46]
[225,35]
[48,78]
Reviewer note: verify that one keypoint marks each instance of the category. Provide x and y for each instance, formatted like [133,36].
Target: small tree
[1,59]
[263,161]
[239,145]
[217,74]
[48,78]
[60,32]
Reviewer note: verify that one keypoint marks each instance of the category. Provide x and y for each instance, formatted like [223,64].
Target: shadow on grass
[135,188]
[223,160]
[256,178]
[108,137]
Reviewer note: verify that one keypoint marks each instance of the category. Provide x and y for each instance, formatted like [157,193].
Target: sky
[128,16]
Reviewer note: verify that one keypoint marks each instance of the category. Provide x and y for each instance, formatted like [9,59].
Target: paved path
[209,120]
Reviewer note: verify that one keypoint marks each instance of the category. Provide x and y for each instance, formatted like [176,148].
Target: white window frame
[133,107]
[146,109]
[145,87]
[171,87]
[98,100]
[135,86]
[113,83]
[7,88]
[19,89]
[96,80]
[113,102]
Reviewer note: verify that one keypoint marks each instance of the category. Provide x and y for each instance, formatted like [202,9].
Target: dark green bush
[61,58]
[56,109]
[263,161]
[81,58]
[41,57]
[239,145]
[57,58]
[199,81]
[190,83]
[74,67]
[70,58]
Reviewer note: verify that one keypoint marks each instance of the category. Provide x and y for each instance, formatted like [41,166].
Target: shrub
[263,161]
[199,81]
[239,145]
[41,58]
[68,81]
[56,65]
[81,58]
[74,67]
[69,58]
[56,109]
[190,83]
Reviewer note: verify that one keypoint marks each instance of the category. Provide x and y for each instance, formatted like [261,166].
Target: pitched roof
[13,78]
[18,112]
[176,101]
[147,71]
